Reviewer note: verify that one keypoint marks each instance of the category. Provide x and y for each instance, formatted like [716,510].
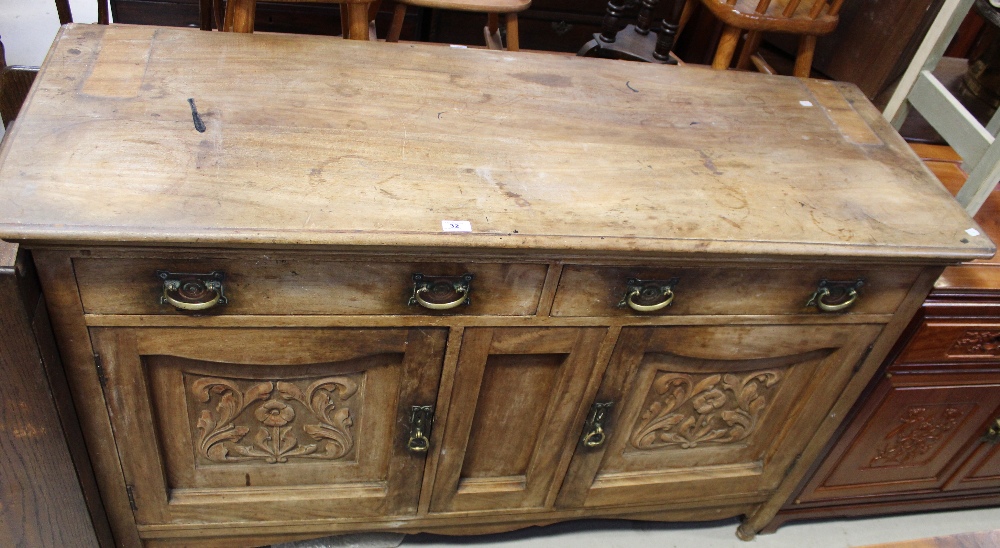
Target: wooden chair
[355,15]
[492,7]
[808,18]
[66,15]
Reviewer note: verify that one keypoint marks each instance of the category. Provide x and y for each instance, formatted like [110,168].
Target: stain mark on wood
[709,164]
[198,123]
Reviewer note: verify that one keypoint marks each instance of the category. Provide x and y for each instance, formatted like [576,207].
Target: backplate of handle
[648,295]
[593,429]
[453,290]
[833,296]
[421,420]
[992,435]
[192,292]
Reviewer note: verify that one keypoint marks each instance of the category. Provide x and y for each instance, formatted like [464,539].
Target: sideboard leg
[743,532]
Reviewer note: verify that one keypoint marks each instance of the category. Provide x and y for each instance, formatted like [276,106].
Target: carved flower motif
[274,413]
[706,402]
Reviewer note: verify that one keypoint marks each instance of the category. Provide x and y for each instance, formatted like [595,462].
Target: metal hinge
[131,497]
[864,358]
[100,371]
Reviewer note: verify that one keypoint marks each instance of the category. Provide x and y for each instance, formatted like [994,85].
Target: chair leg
[749,48]
[217,13]
[513,40]
[357,19]
[397,23]
[685,17]
[103,16]
[239,15]
[803,61]
[205,14]
[727,47]
[491,32]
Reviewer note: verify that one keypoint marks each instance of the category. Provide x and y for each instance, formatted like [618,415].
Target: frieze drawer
[604,291]
[269,286]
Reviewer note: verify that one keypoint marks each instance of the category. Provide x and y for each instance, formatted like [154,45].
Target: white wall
[27,27]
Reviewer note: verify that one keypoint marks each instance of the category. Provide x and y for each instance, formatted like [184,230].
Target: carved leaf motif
[718,409]
[275,440]
[920,434]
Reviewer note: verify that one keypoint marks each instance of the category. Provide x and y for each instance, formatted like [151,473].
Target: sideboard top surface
[328,142]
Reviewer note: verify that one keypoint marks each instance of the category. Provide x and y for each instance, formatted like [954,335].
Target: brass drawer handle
[992,435]
[835,296]
[421,419]
[424,285]
[192,292]
[646,291]
[593,430]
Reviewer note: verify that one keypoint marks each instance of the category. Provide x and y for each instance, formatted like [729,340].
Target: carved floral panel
[240,420]
[920,433]
[977,343]
[686,410]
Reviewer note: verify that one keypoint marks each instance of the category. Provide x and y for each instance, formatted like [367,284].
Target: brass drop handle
[192,292]
[424,285]
[593,430]
[992,435]
[421,419]
[835,296]
[648,290]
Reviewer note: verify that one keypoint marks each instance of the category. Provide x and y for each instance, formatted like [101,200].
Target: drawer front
[951,341]
[598,291]
[302,286]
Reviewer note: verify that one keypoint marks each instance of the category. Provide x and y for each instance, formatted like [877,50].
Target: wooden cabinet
[273,331]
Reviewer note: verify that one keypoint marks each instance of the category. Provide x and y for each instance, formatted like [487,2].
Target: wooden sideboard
[303,286]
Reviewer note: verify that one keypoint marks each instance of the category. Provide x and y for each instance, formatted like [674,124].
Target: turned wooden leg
[491,32]
[217,13]
[205,14]
[513,42]
[749,48]
[803,61]
[103,15]
[357,19]
[64,11]
[239,16]
[397,23]
[727,47]
[686,14]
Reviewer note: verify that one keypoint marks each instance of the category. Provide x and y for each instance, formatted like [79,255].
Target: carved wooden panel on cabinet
[697,410]
[914,434]
[243,424]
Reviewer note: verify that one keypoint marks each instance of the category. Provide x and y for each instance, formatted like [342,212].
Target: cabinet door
[982,470]
[913,432]
[711,413]
[224,425]
[515,410]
